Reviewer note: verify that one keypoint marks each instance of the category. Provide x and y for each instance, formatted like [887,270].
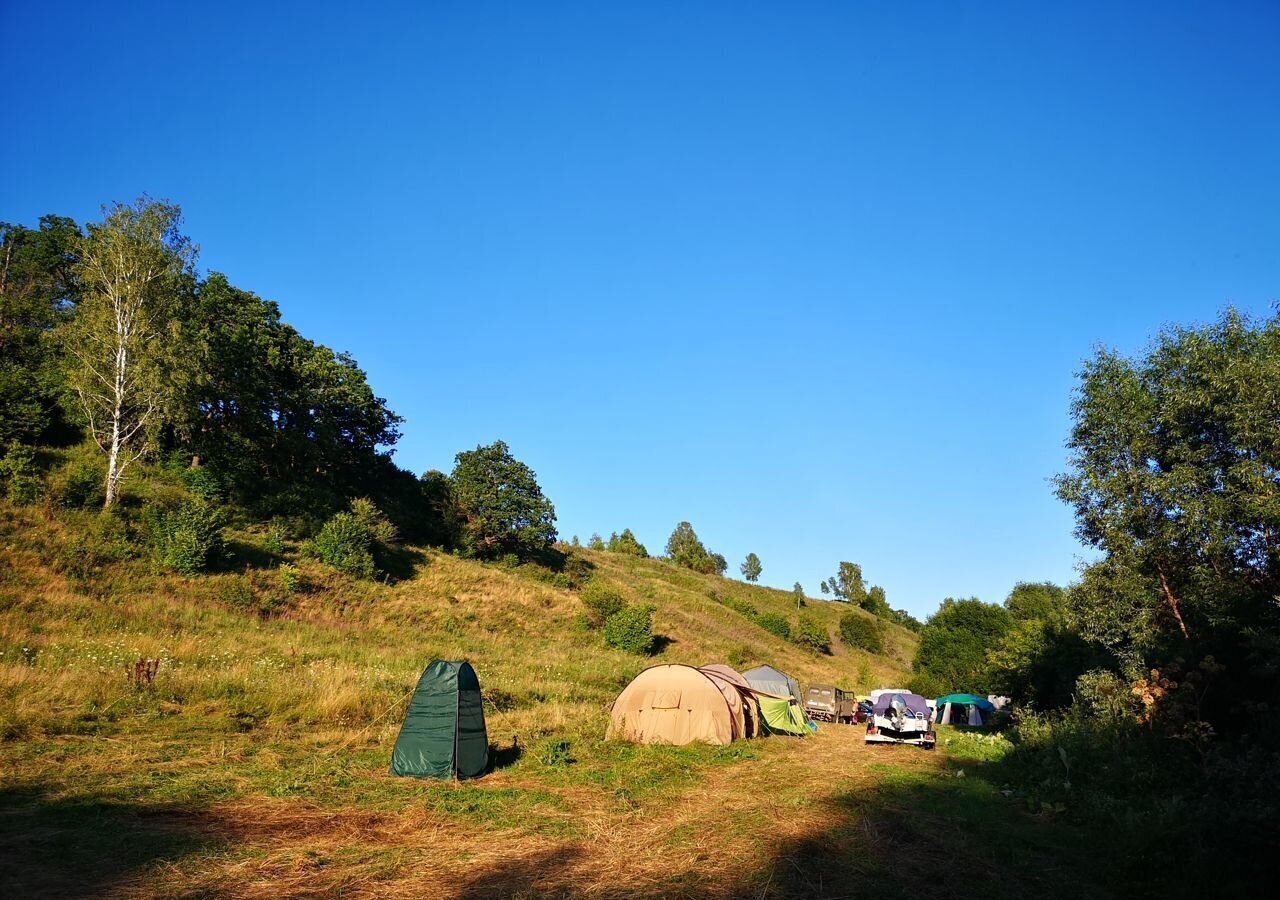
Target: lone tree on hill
[847,584]
[797,594]
[126,340]
[627,544]
[501,506]
[751,568]
[685,549]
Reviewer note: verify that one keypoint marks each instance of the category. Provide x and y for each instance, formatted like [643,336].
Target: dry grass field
[254,762]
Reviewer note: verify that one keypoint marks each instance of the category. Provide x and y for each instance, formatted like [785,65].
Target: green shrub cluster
[188,537]
[347,541]
[775,624]
[79,485]
[602,601]
[812,635]
[19,475]
[862,631]
[631,629]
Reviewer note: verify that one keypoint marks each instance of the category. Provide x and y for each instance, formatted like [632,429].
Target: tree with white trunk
[125,342]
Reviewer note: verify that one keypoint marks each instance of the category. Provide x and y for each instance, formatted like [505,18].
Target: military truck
[827,703]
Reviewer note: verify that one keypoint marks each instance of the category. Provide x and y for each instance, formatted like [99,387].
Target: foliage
[203,483]
[129,351]
[876,603]
[811,634]
[501,506]
[631,629]
[751,568]
[1041,600]
[1038,660]
[627,544]
[19,475]
[602,600]
[187,538]
[595,542]
[905,619]
[775,624]
[847,584]
[38,290]
[685,549]
[955,640]
[1174,458]
[797,595]
[78,485]
[348,541]
[719,565]
[861,631]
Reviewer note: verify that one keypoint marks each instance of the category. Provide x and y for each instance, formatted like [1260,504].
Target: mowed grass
[256,761]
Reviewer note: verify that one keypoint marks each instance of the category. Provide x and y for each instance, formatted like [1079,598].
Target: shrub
[79,485]
[345,544]
[812,635]
[602,601]
[739,656]
[775,624]
[18,472]
[237,593]
[742,607]
[203,482]
[187,538]
[381,529]
[577,570]
[273,541]
[556,753]
[290,579]
[627,544]
[862,632]
[631,629]
[103,541]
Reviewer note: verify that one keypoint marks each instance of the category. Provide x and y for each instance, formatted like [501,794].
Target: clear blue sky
[815,277]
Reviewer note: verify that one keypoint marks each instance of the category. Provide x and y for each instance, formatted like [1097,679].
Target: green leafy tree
[1040,600]
[876,603]
[685,549]
[126,340]
[595,542]
[502,508]
[627,544]
[847,585]
[1174,456]
[751,568]
[955,640]
[797,595]
[719,565]
[38,291]
[862,631]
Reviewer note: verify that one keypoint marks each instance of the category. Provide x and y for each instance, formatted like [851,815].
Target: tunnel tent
[973,708]
[672,704]
[443,735]
[732,685]
[769,680]
[734,697]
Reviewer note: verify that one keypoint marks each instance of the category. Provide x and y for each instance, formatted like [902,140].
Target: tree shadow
[660,643]
[504,757]
[82,846]
[399,562]
[546,873]
[239,555]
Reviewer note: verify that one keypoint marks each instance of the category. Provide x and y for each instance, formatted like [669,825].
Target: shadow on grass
[542,874]
[84,846]
[399,562]
[660,643]
[504,757]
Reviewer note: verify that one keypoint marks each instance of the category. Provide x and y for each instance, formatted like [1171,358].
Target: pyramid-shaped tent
[443,735]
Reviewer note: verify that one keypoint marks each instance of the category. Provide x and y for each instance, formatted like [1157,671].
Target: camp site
[628,451]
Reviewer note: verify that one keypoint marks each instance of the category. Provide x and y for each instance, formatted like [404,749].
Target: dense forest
[1143,693]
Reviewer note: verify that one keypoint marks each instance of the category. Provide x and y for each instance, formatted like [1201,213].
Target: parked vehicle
[827,703]
[901,718]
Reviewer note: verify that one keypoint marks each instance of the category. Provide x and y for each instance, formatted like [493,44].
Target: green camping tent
[443,734]
[781,715]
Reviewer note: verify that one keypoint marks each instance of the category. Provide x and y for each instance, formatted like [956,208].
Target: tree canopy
[501,507]
[751,567]
[685,549]
[954,644]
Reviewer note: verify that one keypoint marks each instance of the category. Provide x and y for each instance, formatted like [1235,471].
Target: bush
[811,635]
[742,607]
[203,482]
[80,485]
[775,624]
[631,629]
[18,472]
[273,541]
[862,632]
[556,753]
[602,600]
[187,538]
[290,579]
[103,541]
[345,544]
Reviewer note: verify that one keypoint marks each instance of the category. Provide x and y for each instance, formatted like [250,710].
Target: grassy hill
[254,762]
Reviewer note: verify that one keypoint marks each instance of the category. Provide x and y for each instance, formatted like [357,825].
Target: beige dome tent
[673,704]
[740,695]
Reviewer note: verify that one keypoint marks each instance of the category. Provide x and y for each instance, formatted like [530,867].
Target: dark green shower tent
[443,734]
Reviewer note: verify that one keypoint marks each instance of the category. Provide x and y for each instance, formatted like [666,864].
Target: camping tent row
[973,708]
[678,704]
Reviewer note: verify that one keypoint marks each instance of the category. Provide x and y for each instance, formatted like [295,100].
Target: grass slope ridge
[255,763]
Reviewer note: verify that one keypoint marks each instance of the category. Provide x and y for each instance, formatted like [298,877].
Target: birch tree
[125,341]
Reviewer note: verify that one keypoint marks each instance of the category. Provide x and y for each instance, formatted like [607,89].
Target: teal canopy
[443,735]
[967,700]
